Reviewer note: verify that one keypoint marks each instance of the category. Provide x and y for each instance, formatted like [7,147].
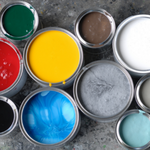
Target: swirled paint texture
[49,117]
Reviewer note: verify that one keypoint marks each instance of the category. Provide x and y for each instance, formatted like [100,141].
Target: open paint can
[49,117]
[8,116]
[19,20]
[131,44]
[142,94]
[133,130]
[103,90]
[53,57]
[95,29]
[12,73]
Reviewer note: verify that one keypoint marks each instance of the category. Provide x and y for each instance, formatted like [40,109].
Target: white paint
[134,44]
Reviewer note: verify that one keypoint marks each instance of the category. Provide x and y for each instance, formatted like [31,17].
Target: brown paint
[95,28]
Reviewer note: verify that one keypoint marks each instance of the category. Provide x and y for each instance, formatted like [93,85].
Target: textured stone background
[63,13]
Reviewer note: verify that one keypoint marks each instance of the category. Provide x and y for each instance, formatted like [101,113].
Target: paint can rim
[117,127]
[109,38]
[34,12]
[117,56]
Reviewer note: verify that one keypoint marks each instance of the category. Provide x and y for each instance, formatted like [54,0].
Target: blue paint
[135,130]
[49,117]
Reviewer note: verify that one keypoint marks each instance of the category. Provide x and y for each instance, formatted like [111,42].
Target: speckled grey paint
[104,90]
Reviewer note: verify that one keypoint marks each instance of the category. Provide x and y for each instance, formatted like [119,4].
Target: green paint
[18,21]
[104,146]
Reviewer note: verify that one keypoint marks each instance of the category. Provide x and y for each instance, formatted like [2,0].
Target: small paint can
[132,130]
[51,111]
[95,29]
[142,94]
[103,90]
[131,44]
[12,73]
[53,57]
[8,116]
[19,20]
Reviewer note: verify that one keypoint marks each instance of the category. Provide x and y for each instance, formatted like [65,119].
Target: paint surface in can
[135,130]
[53,56]
[104,90]
[95,27]
[18,21]
[9,65]
[144,93]
[48,117]
[6,116]
[133,43]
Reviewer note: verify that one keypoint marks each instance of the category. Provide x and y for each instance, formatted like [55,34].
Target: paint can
[19,20]
[51,111]
[103,90]
[142,94]
[95,29]
[131,45]
[132,130]
[12,73]
[9,117]
[53,57]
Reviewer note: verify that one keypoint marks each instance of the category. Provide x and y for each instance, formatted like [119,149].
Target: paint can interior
[19,20]
[131,45]
[8,116]
[142,94]
[51,111]
[95,29]
[12,73]
[103,90]
[132,130]
[53,57]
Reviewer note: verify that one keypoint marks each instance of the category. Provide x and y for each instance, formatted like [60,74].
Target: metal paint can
[15,38]
[103,90]
[132,118]
[21,77]
[51,111]
[130,45]
[72,56]
[95,29]
[142,93]
[10,119]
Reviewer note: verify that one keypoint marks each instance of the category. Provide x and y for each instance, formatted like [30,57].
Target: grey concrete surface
[63,13]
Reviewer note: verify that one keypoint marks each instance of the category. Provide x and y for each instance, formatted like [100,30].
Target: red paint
[9,65]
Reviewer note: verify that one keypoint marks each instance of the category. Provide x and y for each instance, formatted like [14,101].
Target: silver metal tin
[101,85]
[132,71]
[74,131]
[137,93]
[69,81]
[15,119]
[22,76]
[22,39]
[117,133]
[91,46]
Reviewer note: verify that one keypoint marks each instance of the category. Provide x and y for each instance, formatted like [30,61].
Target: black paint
[6,116]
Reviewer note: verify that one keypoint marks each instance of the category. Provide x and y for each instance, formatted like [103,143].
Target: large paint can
[49,117]
[12,73]
[103,90]
[53,57]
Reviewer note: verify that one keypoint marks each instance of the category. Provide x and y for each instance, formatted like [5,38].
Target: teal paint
[135,130]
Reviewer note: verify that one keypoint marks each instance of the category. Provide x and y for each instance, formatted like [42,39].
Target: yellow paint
[53,56]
